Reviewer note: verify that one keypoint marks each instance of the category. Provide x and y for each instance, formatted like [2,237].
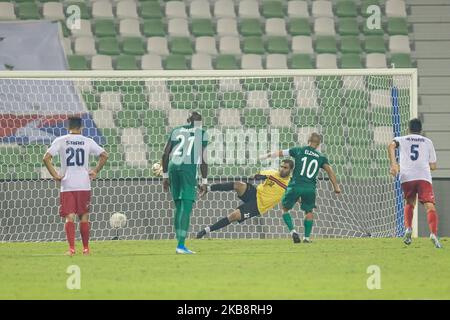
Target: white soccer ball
[157,169]
[118,220]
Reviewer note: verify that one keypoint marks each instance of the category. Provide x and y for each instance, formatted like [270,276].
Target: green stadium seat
[108,46]
[134,101]
[397,26]
[208,100]
[372,32]
[183,100]
[401,60]
[126,62]
[326,44]
[251,27]
[154,119]
[272,9]
[233,99]
[111,136]
[299,27]
[255,118]
[346,8]
[226,62]
[175,62]
[356,99]
[365,4]
[253,45]
[351,61]
[301,61]
[128,119]
[304,117]
[104,28]
[151,10]
[77,62]
[277,45]
[202,27]
[375,44]
[84,10]
[91,100]
[28,10]
[348,27]
[181,45]
[282,99]
[133,46]
[350,44]
[155,137]
[206,86]
[287,137]
[178,86]
[154,28]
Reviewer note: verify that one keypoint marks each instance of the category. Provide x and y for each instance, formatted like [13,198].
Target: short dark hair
[289,162]
[415,125]
[75,122]
[195,116]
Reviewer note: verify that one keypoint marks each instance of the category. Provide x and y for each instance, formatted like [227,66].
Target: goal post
[245,113]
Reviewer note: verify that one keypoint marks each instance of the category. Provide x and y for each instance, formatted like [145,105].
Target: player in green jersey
[308,161]
[184,151]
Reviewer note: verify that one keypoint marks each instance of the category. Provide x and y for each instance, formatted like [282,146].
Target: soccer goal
[246,114]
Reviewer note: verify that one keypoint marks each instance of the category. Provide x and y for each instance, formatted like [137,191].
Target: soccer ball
[118,220]
[157,169]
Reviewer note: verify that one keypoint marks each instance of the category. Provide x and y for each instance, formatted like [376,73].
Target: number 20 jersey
[74,151]
[416,153]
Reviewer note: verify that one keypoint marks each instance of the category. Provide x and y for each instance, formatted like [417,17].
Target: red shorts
[418,187]
[74,202]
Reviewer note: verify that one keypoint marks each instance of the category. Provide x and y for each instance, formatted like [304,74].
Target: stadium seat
[299,26]
[281,118]
[175,62]
[255,118]
[227,27]
[399,44]
[324,26]
[297,9]
[326,44]
[199,9]
[302,44]
[322,8]
[101,62]
[202,27]
[158,45]
[111,101]
[376,60]
[224,9]
[181,45]
[108,46]
[154,28]
[249,9]
[150,10]
[350,44]
[208,100]
[372,32]
[275,27]
[250,27]
[7,11]
[178,27]
[201,61]
[129,28]
[277,45]
[229,45]
[304,118]
[205,45]
[126,9]
[132,100]
[276,61]
[151,62]
[77,62]
[348,27]
[133,46]
[395,8]
[366,4]
[229,118]
[346,8]
[84,10]
[351,61]
[226,62]
[272,9]
[301,61]
[103,119]
[326,61]
[53,11]
[84,30]
[375,44]
[177,117]
[102,9]
[251,62]
[401,60]
[85,46]
[306,101]
[397,26]
[28,11]
[175,9]
[253,45]
[104,28]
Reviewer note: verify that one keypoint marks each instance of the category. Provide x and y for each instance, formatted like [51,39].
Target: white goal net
[246,114]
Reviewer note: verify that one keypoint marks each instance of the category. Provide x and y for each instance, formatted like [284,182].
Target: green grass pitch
[228,269]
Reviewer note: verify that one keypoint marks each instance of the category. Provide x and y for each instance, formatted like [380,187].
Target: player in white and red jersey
[75,177]
[417,159]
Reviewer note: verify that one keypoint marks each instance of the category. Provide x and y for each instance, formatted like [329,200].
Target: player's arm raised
[102,158]
[165,165]
[276,154]
[393,161]
[204,173]
[51,169]
[332,177]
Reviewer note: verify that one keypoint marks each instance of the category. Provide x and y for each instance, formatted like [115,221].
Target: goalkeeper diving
[256,200]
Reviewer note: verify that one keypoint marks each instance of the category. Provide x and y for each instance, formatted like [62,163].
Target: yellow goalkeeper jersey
[269,193]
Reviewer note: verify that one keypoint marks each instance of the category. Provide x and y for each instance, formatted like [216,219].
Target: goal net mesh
[245,117]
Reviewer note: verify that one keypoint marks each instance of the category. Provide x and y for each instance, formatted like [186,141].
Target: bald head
[314,140]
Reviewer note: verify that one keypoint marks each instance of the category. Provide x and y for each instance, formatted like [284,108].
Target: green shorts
[183,185]
[296,192]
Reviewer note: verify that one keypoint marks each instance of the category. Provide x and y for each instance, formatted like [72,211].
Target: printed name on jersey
[311,153]
[75,143]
